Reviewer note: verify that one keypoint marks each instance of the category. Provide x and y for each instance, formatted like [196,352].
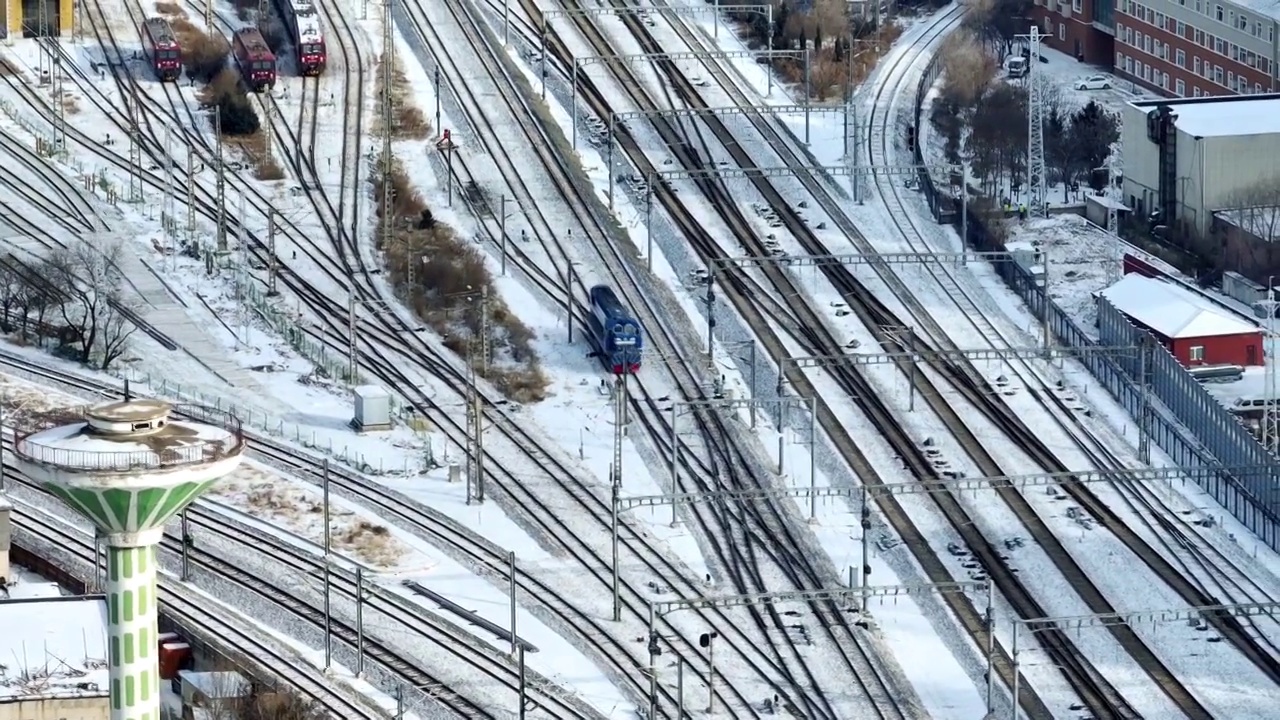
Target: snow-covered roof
[1229,118]
[32,591]
[1171,311]
[5,502]
[53,647]
[216,684]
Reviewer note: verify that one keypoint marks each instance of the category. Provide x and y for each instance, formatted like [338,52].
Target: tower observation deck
[129,468]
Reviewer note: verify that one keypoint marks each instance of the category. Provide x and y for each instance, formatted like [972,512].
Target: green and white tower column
[129,469]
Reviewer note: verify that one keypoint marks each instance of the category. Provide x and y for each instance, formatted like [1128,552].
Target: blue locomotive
[614,332]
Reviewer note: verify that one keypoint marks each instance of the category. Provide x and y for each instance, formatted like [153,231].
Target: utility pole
[191,194]
[619,423]
[266,114]
[351,332]
[484,329]
[59,112]
[166,220]
[186,548]
[222,182]
[388,117]
[1036,195]
[328,616]
[359,621]
[475,441]
[273,263]
[135,149]
[512,565]
[264,12]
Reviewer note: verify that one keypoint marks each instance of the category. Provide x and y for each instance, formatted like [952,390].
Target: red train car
[256,61]
[308,38]
[160,44]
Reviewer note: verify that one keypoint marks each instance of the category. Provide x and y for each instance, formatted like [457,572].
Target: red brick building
[1195,332]
[1184,48]
[1071,27]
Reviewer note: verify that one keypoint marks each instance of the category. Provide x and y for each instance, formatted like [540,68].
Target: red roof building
[1193,329]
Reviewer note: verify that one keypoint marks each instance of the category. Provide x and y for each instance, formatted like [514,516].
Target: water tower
[128,467]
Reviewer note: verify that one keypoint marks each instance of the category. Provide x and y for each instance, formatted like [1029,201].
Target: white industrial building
[54,651]
[1202,157]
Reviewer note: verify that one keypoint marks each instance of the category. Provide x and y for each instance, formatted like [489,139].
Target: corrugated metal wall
[1177,413]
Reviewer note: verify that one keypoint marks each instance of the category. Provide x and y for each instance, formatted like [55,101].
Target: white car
[1094,82]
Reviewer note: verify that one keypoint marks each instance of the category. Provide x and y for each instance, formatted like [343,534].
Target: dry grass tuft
[833,36]
[70,106]
[449,274]
[277,500]
[408,120]
[255,154]
[171,10]
[203,55]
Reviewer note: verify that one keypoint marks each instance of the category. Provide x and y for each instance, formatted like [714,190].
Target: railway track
[741,566]
[1172,687]
[1086,678]
[567,614]
[459,653]
[238,636]
[952,285]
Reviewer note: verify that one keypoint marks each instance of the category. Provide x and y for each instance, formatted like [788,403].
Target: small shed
[1097,209]
[1194,330]
[200,689]
[373,409]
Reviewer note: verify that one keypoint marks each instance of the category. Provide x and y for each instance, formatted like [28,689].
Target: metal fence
[1182,418]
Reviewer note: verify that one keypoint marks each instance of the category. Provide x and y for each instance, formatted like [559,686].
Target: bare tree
[1256,208]
[115,329]
[87,276]
[12,286]
[969,68]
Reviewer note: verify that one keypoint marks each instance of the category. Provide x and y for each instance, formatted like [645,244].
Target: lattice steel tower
[388,118]
[128,468]
[1035,130]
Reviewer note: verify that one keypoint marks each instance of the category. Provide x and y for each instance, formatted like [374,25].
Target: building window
[1128,36]
[1182,28]
[1199,36]
[1077,6]
[1195,92]
[1119,60]
[1217,74]
[1217,13]
[1195,65]
[1160,20]
[1257,88]
[1128,65]
[1062,31]
[1219,46]
[1231,80]
[1180,88]
[1197,353]
[1180,59]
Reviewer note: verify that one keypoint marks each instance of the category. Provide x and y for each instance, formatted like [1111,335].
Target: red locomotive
[308,39]
[256,61]
[160,44]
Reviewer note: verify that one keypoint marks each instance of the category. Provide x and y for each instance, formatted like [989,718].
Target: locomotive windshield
[262,65]
[168,54]
[311,49]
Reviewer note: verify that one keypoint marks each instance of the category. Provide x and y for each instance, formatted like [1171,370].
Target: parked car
[1094,82]
[1016,67]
